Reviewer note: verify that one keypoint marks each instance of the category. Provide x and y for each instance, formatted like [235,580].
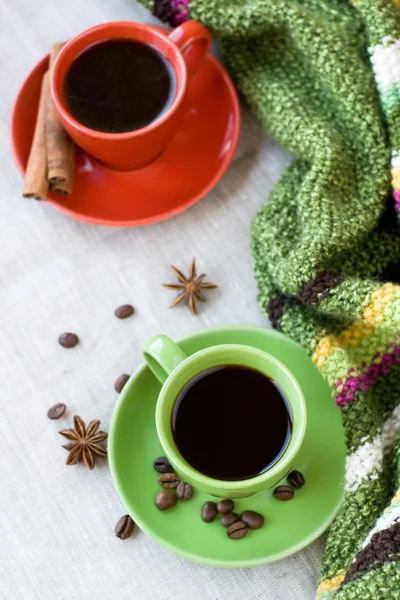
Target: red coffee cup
[184,48]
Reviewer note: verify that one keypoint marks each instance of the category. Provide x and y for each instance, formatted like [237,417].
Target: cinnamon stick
[36,184]
[60,149]
[64,188]
[55,49]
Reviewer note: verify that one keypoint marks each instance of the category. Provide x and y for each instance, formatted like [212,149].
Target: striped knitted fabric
[323,78]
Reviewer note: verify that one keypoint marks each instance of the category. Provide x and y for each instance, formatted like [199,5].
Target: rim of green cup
[164,425]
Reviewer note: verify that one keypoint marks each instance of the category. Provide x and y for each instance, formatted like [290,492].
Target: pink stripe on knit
[396,196]
[180,7]
[364,381]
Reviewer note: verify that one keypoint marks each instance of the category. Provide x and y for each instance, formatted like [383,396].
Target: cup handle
[162,356]
[194,42]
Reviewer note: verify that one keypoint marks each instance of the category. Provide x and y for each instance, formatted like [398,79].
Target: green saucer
[289,526]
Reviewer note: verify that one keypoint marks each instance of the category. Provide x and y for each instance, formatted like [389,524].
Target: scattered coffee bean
[68,340]
[57,411]
[296,479]
[168,480]
[252,519]
[124,527]
[120,382]
[237,530]
[284,492]
[124,311]
[225,506]
[184,491]
[162,465]
[165,500]
[209,512]
[229,518]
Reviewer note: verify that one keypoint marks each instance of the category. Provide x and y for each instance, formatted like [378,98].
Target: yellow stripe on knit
[396,171]
[396,497]
[330,585]
[369,350]
[372,316]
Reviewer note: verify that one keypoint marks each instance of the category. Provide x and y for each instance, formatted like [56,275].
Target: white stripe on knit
[366,462]
[385,59]
[389,518]
[395,162]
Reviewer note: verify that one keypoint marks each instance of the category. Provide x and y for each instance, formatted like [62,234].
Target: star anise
[85,442]
[190,287]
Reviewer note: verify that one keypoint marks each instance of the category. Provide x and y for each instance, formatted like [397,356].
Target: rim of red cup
[111,26]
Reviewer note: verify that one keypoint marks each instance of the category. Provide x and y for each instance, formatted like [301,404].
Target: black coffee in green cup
[231,422]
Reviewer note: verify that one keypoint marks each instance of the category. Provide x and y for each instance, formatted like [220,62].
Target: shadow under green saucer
[289,526]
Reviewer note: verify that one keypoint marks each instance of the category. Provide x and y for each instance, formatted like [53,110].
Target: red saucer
[195,160]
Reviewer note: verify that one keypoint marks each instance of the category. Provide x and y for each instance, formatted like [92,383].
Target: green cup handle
[162,356]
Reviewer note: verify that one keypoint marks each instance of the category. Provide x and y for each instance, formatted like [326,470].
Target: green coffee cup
[174,370]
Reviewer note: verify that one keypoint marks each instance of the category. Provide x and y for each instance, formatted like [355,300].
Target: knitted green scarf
[323,78]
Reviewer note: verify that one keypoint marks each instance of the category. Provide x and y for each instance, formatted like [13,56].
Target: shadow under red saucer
[195,160]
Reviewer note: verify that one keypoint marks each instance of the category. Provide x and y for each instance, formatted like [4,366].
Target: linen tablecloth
[57,523]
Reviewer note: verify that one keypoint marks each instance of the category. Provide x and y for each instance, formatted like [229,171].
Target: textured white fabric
[56,522]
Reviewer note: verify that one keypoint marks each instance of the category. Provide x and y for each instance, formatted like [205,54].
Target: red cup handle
[194,41]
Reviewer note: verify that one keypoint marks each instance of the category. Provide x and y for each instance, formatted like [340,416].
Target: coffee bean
[68,340]
[225,506]
[124,311]
[229,518]
[284,492]
[124,527]
[184,491]
[162,465]
[56,411]
[237,530]
[120,382]
[296,479]
[252,519]
[168,480]
[165,500]
[209,512]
